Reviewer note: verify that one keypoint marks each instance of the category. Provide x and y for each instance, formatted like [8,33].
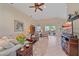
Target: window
[38,28]
[50,28]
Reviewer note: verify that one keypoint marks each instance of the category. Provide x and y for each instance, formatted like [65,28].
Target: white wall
[7,16]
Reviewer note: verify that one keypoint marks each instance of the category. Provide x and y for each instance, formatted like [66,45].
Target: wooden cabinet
[73,46]
[70,45]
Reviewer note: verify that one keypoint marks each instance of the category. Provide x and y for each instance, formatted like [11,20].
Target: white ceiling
[52,10]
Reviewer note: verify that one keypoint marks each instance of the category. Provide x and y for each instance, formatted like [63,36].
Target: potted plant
[71,18]
[21,38]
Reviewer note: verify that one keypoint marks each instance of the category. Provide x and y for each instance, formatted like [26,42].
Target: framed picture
[18,26]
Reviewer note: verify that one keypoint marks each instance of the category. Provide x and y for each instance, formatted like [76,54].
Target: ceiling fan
[37,6]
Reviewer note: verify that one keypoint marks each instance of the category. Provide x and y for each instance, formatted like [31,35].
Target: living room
[45,25]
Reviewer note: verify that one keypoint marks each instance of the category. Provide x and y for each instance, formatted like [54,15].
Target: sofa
[8,46]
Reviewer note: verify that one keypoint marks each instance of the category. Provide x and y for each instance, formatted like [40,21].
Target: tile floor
[48,46]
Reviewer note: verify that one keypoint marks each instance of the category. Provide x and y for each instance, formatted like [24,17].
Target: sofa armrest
[8,51]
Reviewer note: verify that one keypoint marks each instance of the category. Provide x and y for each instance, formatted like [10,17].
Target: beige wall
[54,21]
[71,9]
[59,21]
[7,16]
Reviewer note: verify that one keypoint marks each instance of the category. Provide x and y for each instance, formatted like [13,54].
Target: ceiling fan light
[44,6]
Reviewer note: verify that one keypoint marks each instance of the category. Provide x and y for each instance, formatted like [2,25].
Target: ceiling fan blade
[41,4]
[35,9]
[31,6]
[40,9]
[36,4]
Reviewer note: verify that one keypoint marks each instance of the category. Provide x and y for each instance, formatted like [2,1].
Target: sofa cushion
[1,48]
[2,42]
[14,41]
[6,44]
[4,37]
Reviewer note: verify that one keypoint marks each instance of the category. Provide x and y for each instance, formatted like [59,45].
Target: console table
[69,45]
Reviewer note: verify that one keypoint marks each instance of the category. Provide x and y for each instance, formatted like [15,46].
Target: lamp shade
[67,25]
